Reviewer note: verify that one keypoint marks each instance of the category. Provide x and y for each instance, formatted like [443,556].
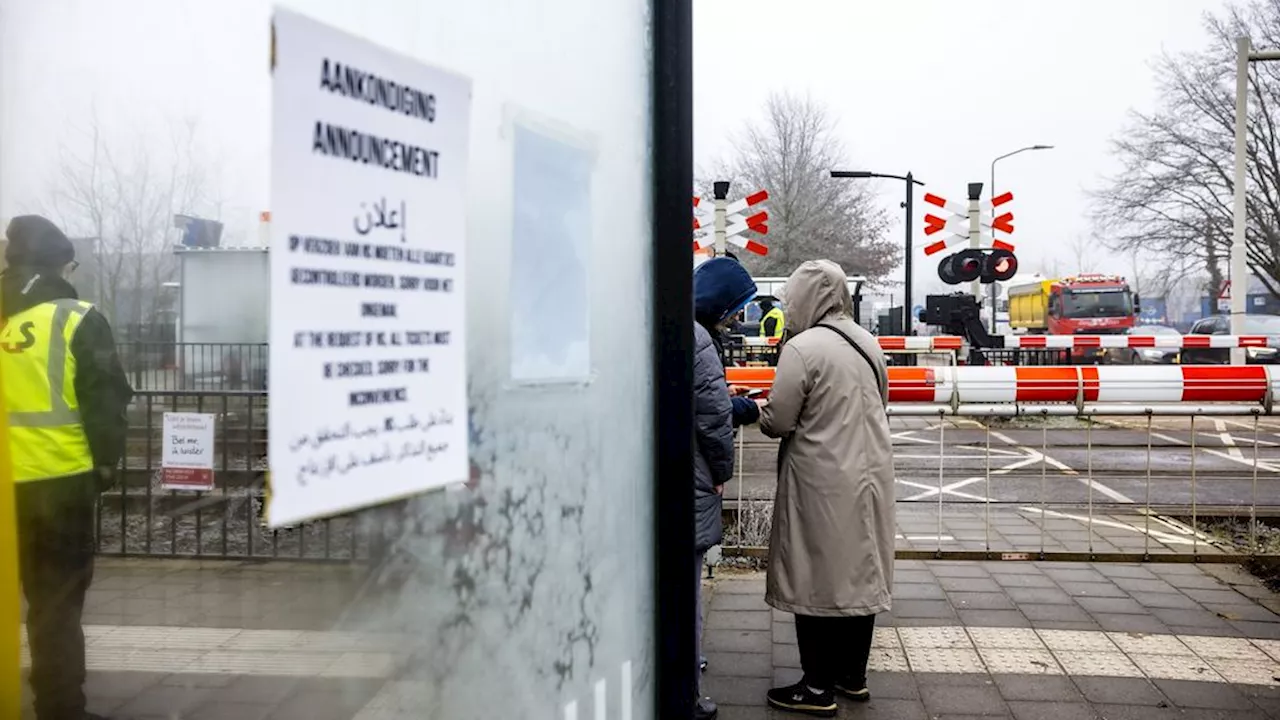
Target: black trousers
[835,649]
[55,557]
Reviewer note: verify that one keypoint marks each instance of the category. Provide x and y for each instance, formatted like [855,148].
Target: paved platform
[236,640]
[1028,641]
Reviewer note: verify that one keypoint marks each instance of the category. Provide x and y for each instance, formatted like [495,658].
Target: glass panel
[527,593]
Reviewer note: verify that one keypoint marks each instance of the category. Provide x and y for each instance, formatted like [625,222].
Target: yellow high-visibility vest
[46,438]
[777,329]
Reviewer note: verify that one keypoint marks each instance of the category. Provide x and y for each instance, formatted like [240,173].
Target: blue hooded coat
[721,287]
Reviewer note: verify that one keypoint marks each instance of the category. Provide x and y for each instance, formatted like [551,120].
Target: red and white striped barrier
[955,386]
[940,343]
[1069,342]
[1167,342]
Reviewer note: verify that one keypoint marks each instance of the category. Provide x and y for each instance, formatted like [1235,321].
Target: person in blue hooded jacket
[721,287]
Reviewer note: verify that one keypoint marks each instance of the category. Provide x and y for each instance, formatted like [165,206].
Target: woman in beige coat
[831,552]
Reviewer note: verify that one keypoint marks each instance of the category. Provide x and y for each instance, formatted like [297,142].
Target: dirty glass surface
[525,593]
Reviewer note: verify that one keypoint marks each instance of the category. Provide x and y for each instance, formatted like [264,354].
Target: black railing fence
[138,517]
[195,366]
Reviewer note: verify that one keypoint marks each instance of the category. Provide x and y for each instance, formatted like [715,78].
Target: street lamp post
[909,240]
[993,213]
[1239,257]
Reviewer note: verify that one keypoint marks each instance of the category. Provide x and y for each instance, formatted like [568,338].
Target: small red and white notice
[187,459]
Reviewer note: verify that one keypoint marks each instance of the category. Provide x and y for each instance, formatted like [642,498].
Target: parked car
[1221,325]
[1143,356]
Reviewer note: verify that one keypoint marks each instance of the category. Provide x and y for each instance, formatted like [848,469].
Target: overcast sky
[937,87]
[941,88]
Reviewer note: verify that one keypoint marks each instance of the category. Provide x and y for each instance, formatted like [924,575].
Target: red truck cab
[1076,305]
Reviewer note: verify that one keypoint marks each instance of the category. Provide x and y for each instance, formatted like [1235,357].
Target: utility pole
[1239,266]
[1239,258]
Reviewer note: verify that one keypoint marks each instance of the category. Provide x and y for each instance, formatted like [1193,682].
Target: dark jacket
[102,388]
[713,430]
[721,287]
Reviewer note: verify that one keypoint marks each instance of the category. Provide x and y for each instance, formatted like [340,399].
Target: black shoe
[853,690]
[800,699]
[705,709]
[702,662]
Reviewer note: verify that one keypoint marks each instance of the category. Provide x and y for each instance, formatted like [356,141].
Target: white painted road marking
[1155,534]
[1086,481]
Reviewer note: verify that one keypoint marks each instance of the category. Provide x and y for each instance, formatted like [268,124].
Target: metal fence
[195,366]
[1154,484]
[138,517]
[1024,357]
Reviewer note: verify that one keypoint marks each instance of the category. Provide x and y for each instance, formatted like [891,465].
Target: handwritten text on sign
[368,367]
[186,462]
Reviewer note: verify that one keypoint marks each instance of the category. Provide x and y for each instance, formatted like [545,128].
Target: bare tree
[123,195]
[1172,199]
[790,154]
[1083,254]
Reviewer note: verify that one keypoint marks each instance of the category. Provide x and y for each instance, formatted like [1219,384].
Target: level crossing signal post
[986,260]
[729,222]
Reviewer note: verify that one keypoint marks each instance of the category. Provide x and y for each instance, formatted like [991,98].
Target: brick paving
[1029,641]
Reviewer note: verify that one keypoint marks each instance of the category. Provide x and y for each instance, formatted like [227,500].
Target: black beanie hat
[36,242]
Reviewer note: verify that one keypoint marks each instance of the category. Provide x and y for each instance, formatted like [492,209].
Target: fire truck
[1076,305]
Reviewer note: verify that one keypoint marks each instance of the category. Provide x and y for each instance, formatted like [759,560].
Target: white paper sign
[368,385]
[186,461]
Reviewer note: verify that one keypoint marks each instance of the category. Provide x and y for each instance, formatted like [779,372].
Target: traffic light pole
[907,320]
[975,232]
[908,206]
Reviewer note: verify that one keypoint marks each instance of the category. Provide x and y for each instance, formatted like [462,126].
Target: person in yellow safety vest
[66,395]
[771,324]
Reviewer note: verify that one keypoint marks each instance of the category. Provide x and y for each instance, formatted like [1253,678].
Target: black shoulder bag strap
[871,363]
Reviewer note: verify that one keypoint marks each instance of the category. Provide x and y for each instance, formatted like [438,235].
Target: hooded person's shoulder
[701,338]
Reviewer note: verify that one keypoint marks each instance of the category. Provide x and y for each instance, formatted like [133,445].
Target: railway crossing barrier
[1068,342]
[1068,390]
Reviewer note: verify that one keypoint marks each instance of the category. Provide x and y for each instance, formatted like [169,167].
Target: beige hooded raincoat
[831,552]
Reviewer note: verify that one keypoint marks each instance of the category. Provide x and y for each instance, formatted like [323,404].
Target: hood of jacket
[721,287]
[23,289]
[815,292]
